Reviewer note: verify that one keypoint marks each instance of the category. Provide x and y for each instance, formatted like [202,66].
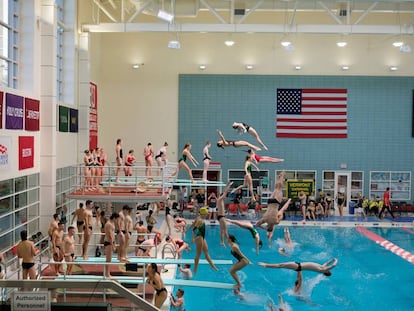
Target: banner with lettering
[14,112]
[93,115]
[1,110]
[26,152]
[31,114]
[293,187]
[73,125]
[5,149]
[63,119]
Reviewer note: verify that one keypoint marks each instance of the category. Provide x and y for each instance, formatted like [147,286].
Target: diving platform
[148,260]
[138,188]
[128,280]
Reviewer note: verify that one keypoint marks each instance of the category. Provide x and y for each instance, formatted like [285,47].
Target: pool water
[367,277]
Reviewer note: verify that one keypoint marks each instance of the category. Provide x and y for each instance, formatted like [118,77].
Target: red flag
[31,114]
[26,152]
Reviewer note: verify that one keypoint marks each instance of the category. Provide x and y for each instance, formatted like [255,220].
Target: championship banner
[73,125]
[14,112]
[63,119]
[293,187]
[26,152]
[93,116]
[5,149]
[31,114]
[1,110]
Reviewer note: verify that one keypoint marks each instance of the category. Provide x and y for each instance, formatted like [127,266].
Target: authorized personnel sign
[33,301]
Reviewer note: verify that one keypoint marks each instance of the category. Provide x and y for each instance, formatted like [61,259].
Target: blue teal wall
[379,122]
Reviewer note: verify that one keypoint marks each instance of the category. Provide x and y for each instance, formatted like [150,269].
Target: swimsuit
[27,265]
[246,126]
[201,231]
[220,217]
[106,243]
[159,291]
[80,223]
[236,255]
[253,231]
[272,201]
[299,268]
[183,158]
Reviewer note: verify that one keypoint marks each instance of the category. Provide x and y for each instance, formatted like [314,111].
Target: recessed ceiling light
[341,44]
[229,42]
[397,44]
[249,67]
[202,67]
[393,68]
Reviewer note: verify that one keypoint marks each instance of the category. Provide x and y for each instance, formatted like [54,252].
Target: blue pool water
[368,277]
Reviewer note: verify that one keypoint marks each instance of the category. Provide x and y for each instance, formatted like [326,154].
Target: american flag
[311,113]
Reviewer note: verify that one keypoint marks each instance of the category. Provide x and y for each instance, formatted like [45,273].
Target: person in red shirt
[387,204]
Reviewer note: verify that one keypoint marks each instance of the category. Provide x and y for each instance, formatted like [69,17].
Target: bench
[402,208]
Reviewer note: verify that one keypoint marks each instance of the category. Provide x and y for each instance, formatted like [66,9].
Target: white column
[84,93]
[48,107]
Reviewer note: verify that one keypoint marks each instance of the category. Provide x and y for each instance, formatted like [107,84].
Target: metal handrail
[98,284]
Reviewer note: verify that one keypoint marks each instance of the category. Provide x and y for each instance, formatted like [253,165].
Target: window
[65,182]
[9,43]
[59,50]
[398,182]
[19,209]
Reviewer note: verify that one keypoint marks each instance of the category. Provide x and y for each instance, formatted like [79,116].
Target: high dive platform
[135,188]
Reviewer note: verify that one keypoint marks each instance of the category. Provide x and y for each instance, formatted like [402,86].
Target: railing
[137,303]
[107,176]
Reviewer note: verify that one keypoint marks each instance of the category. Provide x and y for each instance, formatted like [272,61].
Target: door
[343,184]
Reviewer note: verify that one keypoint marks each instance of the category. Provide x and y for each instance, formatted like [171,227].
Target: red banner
[26,152]
[93,116]
[1,110]
[31,114]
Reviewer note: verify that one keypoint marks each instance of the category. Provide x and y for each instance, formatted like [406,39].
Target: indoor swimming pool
[367,277]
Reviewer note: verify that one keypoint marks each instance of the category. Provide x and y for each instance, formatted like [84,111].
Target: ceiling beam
[248,28]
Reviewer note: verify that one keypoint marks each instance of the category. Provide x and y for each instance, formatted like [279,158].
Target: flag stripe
[302,135]
[311,113]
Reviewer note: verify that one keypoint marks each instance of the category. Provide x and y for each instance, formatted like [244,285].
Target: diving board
[195,183]
[141,260]
[140,280]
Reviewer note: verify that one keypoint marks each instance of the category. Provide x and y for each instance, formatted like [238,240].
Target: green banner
[293,187]
[63,119]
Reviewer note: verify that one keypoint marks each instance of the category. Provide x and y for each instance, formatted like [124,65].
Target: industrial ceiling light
[165,16]
[285,43]
[298,67]
[202,67]
[341,44]
[405,48]
[229,42]
[393,68]
[135,66]
[398,44]
[174,44]
[249,67]
[344,68]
